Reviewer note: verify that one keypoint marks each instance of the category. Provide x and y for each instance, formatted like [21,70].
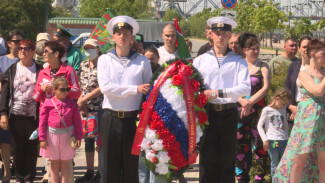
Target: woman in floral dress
[304,157]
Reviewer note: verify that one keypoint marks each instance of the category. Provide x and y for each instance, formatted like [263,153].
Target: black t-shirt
[204,48]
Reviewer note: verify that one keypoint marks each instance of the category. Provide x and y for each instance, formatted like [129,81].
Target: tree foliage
[25,15]
[301,28]
[59,11]
[134,8]
[170,14]
[195,25]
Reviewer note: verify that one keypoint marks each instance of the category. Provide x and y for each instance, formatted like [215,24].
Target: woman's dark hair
[13,33]
[247,40]
[314,45]
[152,50]
[28,42]
[55,46]
[304,38]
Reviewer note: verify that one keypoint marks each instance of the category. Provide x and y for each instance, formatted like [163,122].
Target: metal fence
[263,57]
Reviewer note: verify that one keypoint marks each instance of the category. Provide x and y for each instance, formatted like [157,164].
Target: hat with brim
[43,36]
[92,42]
[63,32]
[122,22]
[221,24]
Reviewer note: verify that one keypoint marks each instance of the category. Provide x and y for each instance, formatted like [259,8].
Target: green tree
[300,28]
[25,15]
[170,14]
[134,8]
[195,25]
[246,11]
[268,18]
[59,11]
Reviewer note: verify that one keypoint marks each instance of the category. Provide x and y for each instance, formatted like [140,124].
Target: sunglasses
[24,48]
[64,89]
[15,41]
[47,51]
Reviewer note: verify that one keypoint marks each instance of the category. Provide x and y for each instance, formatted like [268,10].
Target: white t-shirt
[24,86]
[164,56]
[276,125]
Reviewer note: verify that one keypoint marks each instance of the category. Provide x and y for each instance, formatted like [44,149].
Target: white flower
[162,168]
[145,144]
[199,133]
[150,155]
[158,145]
[176,101]
[163,157]
[150,134]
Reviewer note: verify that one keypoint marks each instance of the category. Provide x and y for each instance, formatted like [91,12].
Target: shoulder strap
[60,115]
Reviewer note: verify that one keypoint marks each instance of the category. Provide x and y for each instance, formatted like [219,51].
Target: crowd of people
[48,86]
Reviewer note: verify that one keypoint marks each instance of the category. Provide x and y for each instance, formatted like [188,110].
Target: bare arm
[95,93]
[309,84]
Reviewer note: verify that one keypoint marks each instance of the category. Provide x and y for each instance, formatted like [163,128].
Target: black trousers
[120,166]
[25,150]
[218,153]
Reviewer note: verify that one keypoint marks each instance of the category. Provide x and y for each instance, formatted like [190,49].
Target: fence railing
[262,57]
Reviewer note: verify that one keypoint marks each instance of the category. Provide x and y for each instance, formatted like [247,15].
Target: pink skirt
[58,147]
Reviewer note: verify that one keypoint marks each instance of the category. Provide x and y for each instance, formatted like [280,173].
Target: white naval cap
[122,22]
[221,23]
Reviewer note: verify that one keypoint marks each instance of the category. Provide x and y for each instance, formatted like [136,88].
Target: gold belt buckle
[218,107]
[120,116]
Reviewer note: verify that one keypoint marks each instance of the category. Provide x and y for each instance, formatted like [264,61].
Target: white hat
[43,36]
[92,42]
[221,23]
[123,22]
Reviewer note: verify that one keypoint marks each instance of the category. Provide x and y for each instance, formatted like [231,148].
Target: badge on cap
[122,22]
[220,25]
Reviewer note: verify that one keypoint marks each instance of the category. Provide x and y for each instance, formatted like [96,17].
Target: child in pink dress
[54,135]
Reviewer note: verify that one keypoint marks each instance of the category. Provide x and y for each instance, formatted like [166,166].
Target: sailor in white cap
[123,77]
[226,78]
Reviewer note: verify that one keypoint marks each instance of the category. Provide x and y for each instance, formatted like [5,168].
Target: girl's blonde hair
[59,80]
[282,93]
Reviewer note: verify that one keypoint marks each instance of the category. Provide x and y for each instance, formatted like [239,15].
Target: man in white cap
[169,50]
[226,78]
[41,39]
[123,77]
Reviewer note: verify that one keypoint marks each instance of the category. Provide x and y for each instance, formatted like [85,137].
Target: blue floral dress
[307,136]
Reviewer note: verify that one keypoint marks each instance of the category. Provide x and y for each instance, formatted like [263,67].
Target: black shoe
[88,175]
[96,178]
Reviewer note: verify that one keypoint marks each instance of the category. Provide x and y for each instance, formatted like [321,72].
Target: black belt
[222,107]
[122,114]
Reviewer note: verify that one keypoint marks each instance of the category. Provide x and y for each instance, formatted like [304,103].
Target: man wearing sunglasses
[123,76]
[73,54]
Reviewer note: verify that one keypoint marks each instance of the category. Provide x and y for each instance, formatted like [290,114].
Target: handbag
[72,138]
[90,125]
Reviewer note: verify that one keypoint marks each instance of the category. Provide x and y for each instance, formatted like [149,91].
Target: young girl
[276,127]
[54,132]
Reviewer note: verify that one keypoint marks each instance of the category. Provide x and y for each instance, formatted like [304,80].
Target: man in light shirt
[226,79]
[123,77]
[169,50]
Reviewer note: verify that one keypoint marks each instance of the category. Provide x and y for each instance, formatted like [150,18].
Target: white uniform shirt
[276,125]
[165,56]
[119,84]
[231,78]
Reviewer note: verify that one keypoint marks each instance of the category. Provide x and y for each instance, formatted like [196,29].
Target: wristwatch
[213,94]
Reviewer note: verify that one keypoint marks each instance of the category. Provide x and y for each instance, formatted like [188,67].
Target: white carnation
[163,157]
[158,145]
[150,155]
[145,144]
[199,133]
[162,168]
[150,134]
